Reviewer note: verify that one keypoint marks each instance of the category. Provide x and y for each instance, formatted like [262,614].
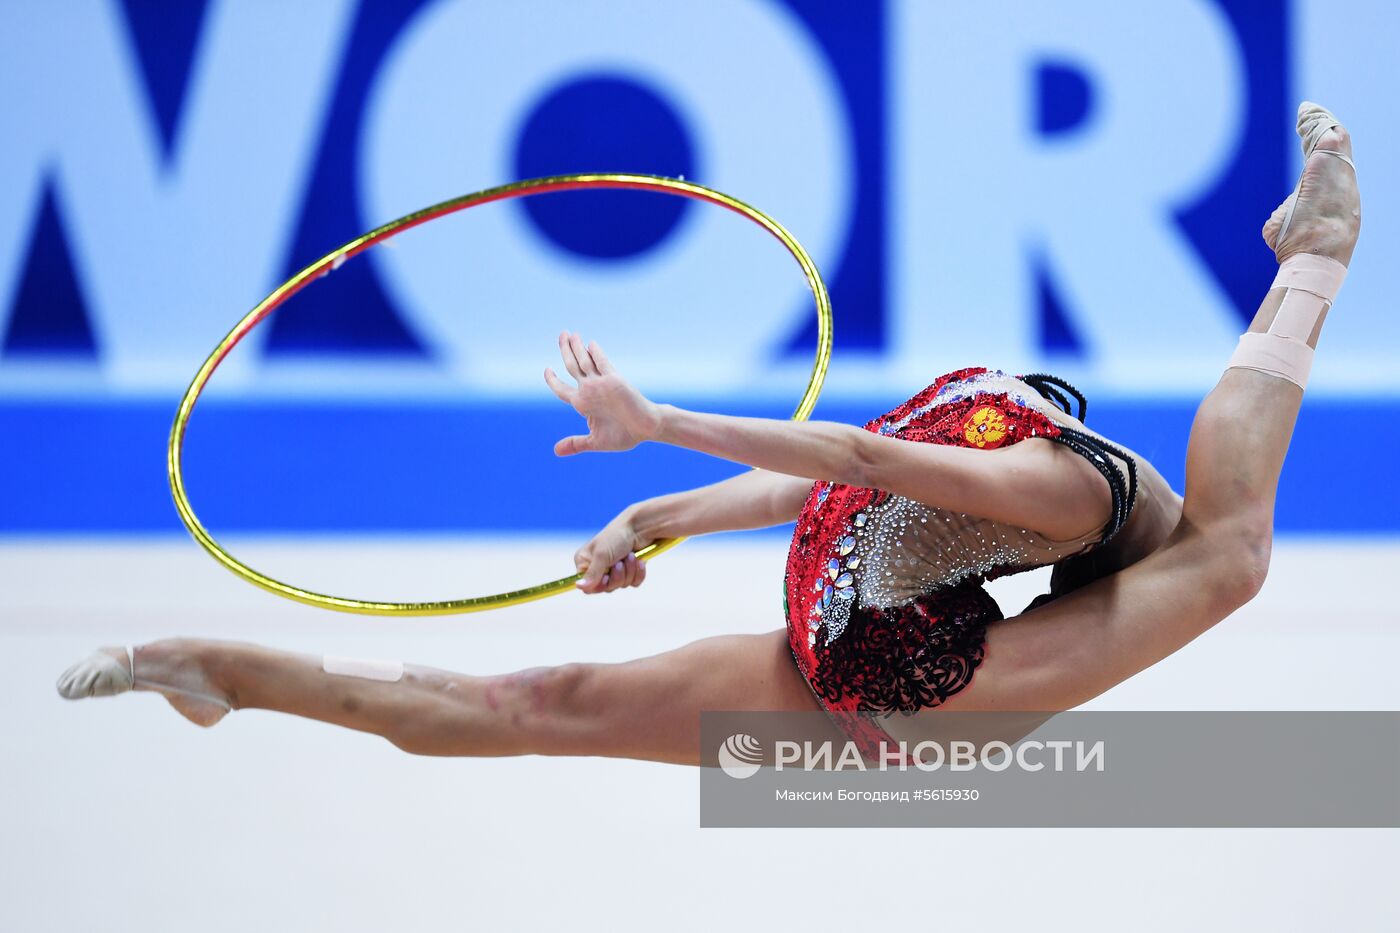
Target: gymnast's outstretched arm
[1057,492]
[755,499]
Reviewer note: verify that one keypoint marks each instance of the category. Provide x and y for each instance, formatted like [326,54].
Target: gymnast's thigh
[650,708]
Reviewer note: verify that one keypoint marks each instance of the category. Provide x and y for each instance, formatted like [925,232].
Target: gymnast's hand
[609,561]
[619,417]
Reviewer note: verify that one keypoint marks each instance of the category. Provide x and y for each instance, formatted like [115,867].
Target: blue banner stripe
[79,467]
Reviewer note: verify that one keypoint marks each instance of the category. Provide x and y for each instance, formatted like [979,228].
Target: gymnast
[897,527]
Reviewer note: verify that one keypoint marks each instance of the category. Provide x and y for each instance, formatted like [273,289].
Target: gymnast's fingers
[566,350]
[600,359]
[560,387]
[575,444]
[581,354]
[615,578]
[621,573]
[636,570]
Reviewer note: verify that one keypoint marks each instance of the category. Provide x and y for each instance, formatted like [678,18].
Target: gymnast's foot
[1323,214]
[169,668]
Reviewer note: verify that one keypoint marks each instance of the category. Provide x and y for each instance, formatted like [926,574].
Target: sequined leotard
[883,595]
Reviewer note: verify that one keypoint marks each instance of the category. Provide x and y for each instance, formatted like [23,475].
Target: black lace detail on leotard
[1091,448]
[1058,391]
[1124,489]
[906,658]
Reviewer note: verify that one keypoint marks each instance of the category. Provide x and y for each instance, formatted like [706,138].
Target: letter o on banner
[713,301]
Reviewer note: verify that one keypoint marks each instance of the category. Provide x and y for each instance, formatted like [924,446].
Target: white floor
[118,815]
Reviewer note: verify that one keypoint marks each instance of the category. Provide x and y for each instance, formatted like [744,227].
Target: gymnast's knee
[1230,556]
[510,714]
[543,696]
[1250,548]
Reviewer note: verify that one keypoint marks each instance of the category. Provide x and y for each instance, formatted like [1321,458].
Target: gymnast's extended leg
[1062,654]
[647,709]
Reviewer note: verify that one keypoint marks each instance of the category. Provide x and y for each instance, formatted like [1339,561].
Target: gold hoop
[334,259]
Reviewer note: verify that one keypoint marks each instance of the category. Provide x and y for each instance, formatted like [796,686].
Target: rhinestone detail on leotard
[883,594]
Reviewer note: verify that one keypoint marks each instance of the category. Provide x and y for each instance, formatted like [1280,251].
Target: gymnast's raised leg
[1063,654]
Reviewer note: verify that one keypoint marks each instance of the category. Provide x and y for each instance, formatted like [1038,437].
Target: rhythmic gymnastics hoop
[335,258]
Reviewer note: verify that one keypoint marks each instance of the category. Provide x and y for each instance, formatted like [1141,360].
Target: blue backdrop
[1074,188]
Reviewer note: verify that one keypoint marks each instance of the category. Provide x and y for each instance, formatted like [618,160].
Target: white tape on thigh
[387,671]
[1312,282]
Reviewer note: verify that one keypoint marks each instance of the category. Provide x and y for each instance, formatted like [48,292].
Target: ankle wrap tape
[1312,283]
[387,671]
